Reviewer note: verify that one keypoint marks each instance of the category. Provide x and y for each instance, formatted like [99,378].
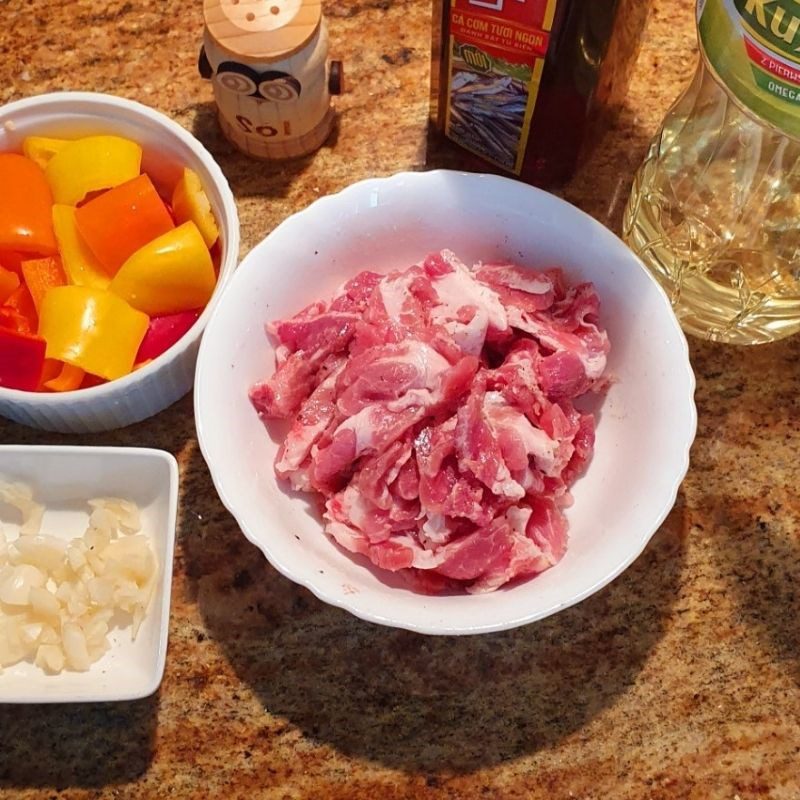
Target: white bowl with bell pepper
[118,231]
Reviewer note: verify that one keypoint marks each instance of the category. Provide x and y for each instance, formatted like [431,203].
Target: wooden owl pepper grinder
[268,63]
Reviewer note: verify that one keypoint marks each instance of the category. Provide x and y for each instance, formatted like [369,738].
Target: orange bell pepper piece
[18,312]
[26,224]
[42,274]
[9,282]
[118,222]
[51,369]
[68,379]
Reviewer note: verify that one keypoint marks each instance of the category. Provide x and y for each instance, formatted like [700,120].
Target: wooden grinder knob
[262,30]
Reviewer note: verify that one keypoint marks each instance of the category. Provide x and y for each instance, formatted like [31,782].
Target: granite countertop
[679,680]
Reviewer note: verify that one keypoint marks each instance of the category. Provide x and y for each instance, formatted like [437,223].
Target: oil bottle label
[496,56]
[753,46]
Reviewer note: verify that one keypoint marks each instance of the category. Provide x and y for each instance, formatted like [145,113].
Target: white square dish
[63,479]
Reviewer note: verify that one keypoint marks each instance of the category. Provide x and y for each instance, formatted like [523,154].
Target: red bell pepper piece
[11,261]
[9,283]
[21,360]
[19,313]
[163,332]
[92,380]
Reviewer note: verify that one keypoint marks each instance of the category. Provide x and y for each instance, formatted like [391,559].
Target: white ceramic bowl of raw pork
[646,424]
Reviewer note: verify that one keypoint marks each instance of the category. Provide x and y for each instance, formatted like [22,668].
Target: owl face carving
[242,80]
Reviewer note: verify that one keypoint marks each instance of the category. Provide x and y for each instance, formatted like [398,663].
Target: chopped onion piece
[49,636]
[16,583]
[75,646]
[44,552]
[125,512]
[76,556]
[43,602]
[101,590]
[50,657]
[31,632]
[11,647]
[20,497]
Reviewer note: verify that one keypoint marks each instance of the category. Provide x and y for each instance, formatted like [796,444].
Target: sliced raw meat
[432,408]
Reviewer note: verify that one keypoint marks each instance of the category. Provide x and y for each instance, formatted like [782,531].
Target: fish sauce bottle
[525,86]
[715,207]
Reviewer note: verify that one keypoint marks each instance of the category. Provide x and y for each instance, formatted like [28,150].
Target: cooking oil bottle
[715,207]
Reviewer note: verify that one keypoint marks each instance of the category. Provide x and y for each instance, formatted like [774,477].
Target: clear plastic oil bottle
[715,207]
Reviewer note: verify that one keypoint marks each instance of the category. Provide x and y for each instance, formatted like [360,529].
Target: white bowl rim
[226,267]
[340,601]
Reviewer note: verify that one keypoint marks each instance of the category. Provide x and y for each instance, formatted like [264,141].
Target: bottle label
[496,54]
[753,46]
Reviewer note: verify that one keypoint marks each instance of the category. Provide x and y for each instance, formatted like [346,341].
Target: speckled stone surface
[679,680]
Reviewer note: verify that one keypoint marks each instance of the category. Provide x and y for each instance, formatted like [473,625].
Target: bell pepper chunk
[118,222]
[41,275]
[11,261]
[18,312]
[21,360]
[170,274]
[11,320]
[25,202]
[9,283]
[68,379]
[92,163]
[163,332]
[90,381]
[92,329]
[80,265]
[191,203]
[41,149]
[50,370]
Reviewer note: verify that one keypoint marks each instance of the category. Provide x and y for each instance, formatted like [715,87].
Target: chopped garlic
[21,497]
[57,598]
[125,513]
[50,657]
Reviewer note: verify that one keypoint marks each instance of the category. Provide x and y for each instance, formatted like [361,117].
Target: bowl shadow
[168,430]
[420,703]
[83,745]
[760,558]
[750,412]
[250,177]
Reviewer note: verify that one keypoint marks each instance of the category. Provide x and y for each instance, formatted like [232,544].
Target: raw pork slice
[433,410]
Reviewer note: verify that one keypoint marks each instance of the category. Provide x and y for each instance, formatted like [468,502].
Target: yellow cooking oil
[714,211]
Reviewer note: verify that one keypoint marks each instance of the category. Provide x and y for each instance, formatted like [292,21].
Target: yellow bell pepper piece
[92,163]
[92,329]
[82,268]
[172,273]
[191,203]
[41,149]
